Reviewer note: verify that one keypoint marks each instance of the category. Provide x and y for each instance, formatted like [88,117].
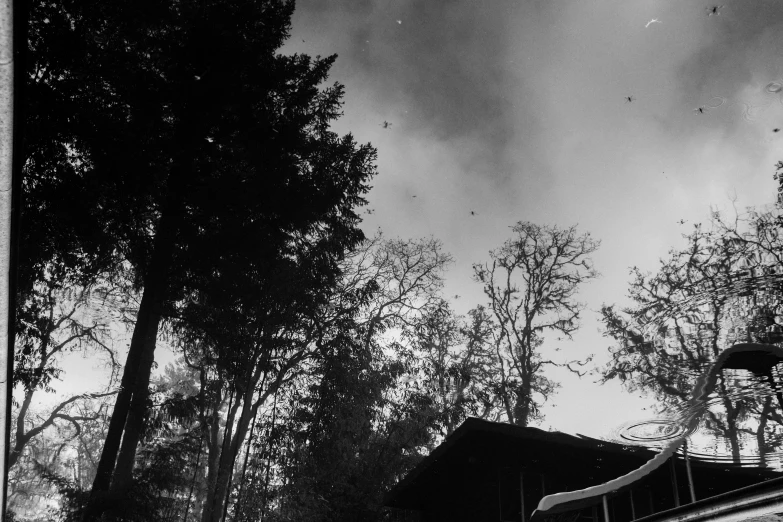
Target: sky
[517,110]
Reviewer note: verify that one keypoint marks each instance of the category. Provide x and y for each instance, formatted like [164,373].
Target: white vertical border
[6,177]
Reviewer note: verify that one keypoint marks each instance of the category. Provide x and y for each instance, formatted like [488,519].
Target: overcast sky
[516,110]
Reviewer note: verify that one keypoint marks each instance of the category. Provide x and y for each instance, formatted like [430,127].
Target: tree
[257,326]
[356,420]
[340,463]
[169,457]
[531,283]
[458,362]
[61,241]
[404,276]
[183,126]
[54,322]
[57,463]
[722,288]
[31,495]
[64,253]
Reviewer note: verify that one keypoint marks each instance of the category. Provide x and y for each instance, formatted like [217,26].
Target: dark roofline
[475,425]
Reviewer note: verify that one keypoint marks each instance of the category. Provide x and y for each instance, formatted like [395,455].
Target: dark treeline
[182,187]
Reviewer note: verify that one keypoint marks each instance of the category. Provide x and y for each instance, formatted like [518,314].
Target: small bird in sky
[386,124]
[714,10]
[413,196]
[472,213]
[776,130]
[456,296]
[653,21]
[700,110]
[629,99]
[681,222]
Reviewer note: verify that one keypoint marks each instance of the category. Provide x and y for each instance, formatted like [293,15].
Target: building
[487,471]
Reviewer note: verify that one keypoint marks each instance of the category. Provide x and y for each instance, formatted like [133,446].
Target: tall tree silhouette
[531,283]
[199,151]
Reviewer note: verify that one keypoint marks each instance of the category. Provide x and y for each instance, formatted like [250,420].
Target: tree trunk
[522,405]
[732,413]
[240,495]
[142,346]
[214,445]
[134,425]
[760,431]
[21,437]
[227,460]
[216,504]
[146,324]
[228,457]
[505,395]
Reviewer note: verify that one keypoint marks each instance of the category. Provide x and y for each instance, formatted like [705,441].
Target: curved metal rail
[744,355]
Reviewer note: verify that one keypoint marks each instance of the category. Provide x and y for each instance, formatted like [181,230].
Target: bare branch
[530,284]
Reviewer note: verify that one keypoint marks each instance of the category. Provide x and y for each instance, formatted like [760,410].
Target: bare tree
[722,288]
[359,415]
[458,360]
[405,278]
[55,322]
[62,444]
[531,283]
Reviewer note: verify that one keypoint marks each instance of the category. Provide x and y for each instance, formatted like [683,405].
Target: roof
[474,432]
[578,460]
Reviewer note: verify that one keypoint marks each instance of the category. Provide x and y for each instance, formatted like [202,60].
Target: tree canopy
[721,288]
[205,165]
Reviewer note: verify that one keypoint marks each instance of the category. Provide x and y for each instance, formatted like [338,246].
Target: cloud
[442,72]
[516,109]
